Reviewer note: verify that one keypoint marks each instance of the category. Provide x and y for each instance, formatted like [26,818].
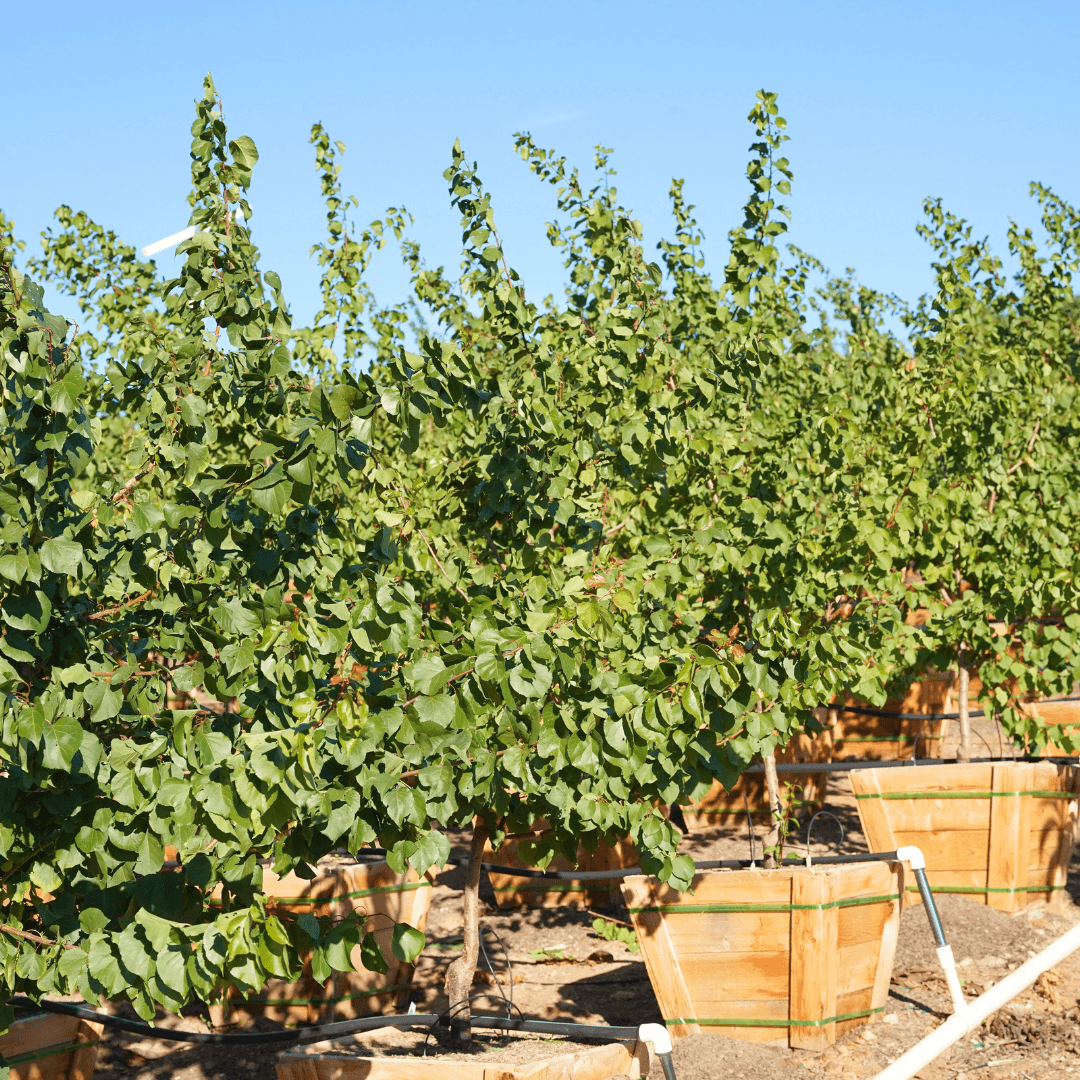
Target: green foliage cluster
[613,931]
[270,590]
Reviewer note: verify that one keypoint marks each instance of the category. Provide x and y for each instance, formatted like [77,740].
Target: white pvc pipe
[963,1022]
[952,980]
[181,236]
[169,241]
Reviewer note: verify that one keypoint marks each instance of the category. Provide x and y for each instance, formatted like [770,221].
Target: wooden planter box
[878,736]
[1060,713]
[791,956]
[320,1061]
[720,806]
[387,898]
[1000,834]
[511,891]
[47,1046]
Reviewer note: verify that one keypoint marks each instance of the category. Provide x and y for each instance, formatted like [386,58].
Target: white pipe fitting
[948,964]
[913,856]
[656,1034]
[963,1023]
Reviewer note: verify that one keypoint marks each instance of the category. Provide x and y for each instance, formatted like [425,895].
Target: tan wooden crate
[1001,834]
[512,891]
[321,1061]
[879,736]
[387,897]
[48,1046]
[1060,713]
[720,806]
[795,956]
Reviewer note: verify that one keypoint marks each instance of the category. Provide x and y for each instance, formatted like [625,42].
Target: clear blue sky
[886,103]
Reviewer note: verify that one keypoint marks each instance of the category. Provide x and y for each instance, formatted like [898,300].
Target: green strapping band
[753,1021]
[966,794]
[53,1051]
[406,887]
[322,1000]
[718,810]
[700,909]
[982,889]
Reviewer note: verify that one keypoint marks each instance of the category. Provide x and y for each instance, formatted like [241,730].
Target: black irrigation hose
[636,871]
[305,1034]
[547,1027]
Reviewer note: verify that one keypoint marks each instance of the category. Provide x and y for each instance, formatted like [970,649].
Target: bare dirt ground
[557,967]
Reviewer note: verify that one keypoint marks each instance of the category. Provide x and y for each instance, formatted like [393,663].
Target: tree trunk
[963,754]
[772,843]
[459,975]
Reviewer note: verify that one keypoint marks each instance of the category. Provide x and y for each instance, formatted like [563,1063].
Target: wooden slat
[1069,780]
[813,960]
[597,1063]
[889,935]
[662,964]
[927,815]
[872,815]
[975,776]
[1009,841]
[710,934]
[857,967]
[749,976]
[864,879]
[855,1002]
[860,925]
[959,850]
[731,886]
[1047,847]
[84,1059]
[297,1067]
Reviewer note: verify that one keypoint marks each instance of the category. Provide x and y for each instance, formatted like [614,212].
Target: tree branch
[120,607]
[431,551]
[126,490]
[37,939]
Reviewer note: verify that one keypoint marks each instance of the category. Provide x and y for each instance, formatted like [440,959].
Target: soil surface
[555,966]
[486,1047]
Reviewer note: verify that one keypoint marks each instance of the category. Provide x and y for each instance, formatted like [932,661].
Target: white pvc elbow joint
[656,1034]
[913,856]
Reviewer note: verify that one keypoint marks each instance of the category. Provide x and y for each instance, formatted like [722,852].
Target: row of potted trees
[271,590]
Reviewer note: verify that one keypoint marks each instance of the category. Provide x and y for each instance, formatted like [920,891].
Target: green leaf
[64,394]
[61,556]
[244,153]
[192,410]
[371,955]
[407,943]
